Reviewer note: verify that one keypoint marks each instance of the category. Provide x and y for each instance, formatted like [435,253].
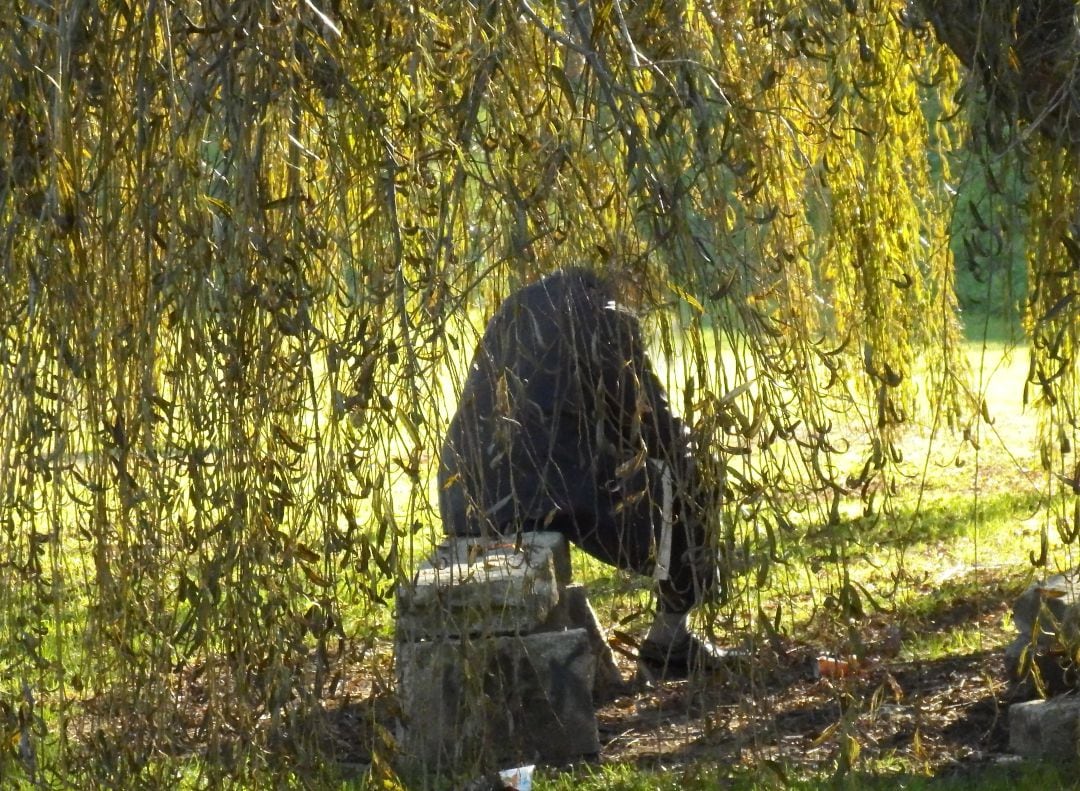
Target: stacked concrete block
[496,657]
[1046,728]
[473,587]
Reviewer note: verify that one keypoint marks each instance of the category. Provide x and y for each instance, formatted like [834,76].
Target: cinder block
[575,612]
[1046,602]
[556,544]
[1046,728]
[472,705]
[476,587]
[458,550]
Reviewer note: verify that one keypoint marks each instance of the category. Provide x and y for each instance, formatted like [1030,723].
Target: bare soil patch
[926,717]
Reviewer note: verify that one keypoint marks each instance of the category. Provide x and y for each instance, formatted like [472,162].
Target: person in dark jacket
[563,425]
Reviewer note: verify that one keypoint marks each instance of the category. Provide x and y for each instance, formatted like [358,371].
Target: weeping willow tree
[1025,62]
[247,248]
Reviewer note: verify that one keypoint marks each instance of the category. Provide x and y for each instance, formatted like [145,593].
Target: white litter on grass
[518,778]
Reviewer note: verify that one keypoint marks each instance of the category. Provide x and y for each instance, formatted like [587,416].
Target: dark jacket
[558,415]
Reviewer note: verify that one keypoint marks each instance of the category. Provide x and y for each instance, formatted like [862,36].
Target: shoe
[660,662]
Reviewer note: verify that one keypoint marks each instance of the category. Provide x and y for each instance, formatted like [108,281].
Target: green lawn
[936,575]
[917,594]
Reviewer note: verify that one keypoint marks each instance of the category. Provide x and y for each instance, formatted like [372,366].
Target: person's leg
[677,590]
[652,526]
[686,573]
[686,563]
[649,525]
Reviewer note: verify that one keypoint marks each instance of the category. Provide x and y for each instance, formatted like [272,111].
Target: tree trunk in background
[1026,54]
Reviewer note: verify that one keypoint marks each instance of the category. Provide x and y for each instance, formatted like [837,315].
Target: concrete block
[472,705]
[1047,603]
[458,550]
[556,544]
[1046,728]
[575,612]
[475,587]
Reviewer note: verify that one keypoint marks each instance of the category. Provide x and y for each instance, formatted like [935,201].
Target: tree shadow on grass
[891,715]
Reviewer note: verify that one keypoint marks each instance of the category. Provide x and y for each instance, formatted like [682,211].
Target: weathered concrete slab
[471,705]
[575,612]
[1046,728]
[475,587]
[457,550]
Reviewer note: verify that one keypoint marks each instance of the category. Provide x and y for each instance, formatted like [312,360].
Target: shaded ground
[928,716]
[940,716]
[925,717]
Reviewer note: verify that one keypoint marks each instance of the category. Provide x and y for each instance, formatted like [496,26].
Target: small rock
[1046,728]
[1040,611]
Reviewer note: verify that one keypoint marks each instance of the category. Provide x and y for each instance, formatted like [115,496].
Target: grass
[939,570]
[936,568]
[1006,776]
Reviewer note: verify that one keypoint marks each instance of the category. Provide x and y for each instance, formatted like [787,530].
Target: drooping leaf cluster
[1022,56]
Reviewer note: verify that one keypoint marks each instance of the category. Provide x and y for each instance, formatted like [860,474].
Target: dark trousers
[646,525]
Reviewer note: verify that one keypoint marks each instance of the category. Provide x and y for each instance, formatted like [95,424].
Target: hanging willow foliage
[1052,316]
[246,250]
[1024,58]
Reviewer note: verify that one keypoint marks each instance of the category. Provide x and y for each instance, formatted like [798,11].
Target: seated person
[563,425]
